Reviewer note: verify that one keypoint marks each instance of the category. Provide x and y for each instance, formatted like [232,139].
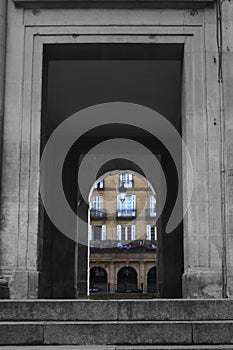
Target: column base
[230,283]
[202,283]
[23,284]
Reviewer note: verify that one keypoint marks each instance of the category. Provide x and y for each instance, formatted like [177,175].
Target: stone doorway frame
[34,29]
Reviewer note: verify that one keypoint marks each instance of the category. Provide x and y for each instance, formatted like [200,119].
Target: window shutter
[118,232]
[119,203]
[152,206]
[101,202]
[104,232]
[101,184]
[155,233]
[126,233]
[148,232]
[133,233]
[133,201]
[91,233]
[93,202]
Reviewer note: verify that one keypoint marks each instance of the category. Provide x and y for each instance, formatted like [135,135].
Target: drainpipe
[222,146]
[4,293]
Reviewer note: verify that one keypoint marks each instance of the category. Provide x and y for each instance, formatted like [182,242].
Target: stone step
[113,310]
[129,333]
[144,347]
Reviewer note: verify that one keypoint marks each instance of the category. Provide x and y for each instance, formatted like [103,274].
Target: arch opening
[127,280]
[98,279]
[152,280]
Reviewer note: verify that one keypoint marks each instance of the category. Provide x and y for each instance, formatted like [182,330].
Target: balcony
[126,213]
[98,214]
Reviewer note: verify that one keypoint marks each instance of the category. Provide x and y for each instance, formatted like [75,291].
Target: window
[151,233]
[126,208]
[152,206]
[127,180]
[100,185]
[97,211]
[126,233]
[98,233]
[97,202]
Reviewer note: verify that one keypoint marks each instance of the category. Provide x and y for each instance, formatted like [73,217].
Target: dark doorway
[152,280]
[127,280]
[81,75]
[98,280]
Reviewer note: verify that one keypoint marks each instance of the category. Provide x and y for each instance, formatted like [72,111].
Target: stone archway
[98,280]
[127,280]
[152,280]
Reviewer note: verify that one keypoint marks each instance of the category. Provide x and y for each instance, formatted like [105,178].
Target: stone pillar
[203,223]
[19,225]
[141,277]
[227,86]
[111,277]
[3,13]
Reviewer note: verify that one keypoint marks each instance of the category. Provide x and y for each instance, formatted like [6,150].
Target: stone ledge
[116,310]
[116,333]
[123,347]
[39,4]
[88,333]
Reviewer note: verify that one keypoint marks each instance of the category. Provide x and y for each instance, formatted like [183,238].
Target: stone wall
[207,124]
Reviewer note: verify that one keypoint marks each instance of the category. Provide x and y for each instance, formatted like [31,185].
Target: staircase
[116,324]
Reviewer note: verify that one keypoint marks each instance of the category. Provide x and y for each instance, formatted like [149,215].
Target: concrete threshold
[119,347]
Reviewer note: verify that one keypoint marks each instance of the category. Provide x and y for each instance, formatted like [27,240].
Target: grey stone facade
[207,129]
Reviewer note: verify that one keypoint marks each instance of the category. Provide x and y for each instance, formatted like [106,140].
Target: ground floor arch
[152,280]
[127,280]
[98,279]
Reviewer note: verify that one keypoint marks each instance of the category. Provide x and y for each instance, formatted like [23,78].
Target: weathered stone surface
[201,283]
[120,347]
[21,333]
[118,333]
[213,333]
[113,310]
[59,310]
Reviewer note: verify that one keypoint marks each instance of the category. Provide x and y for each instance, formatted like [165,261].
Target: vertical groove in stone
[2,70]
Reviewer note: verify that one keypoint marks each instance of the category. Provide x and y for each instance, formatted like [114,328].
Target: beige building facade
[123,233]
[35,260]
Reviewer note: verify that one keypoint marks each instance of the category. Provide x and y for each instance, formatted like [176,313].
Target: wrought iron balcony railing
[98,214]
[126,213]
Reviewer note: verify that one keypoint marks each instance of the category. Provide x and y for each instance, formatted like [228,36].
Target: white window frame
[100,184]
[103,232]
[97,202]
[153,206]
[148,232]
[125,227]
[127,179]
[123,205]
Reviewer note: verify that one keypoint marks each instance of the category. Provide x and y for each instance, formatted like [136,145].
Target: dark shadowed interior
[82,75]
